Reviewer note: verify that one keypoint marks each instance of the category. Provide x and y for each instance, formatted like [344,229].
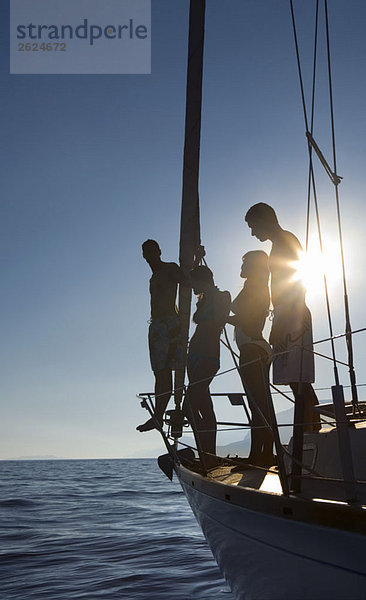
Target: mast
[190,220]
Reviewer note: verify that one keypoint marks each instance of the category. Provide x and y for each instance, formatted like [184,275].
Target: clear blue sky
[91,167]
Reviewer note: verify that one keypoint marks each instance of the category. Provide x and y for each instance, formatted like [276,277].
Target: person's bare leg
[268,457]
[163,392]
[198,406]
[256,384]
[311,417]
[261,451]
[191,409]
[200,413]
[208,423]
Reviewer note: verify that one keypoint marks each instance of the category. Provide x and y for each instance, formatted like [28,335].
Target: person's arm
[222,308]
[178,273]
[199,255]
[179,276]
[233,320]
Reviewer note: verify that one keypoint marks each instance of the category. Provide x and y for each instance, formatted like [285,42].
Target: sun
[313,265]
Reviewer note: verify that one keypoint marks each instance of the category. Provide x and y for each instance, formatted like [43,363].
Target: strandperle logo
[80,37]
[82,32]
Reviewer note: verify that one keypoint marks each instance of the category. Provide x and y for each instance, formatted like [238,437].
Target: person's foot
[149,425]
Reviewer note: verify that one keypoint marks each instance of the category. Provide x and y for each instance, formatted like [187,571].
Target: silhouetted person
[291,332]
[251,308]
[164,331]
[203,360]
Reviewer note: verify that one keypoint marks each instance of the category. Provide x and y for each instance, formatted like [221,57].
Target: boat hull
[265,556]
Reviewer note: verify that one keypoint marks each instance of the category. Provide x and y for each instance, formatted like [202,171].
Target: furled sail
[190,221]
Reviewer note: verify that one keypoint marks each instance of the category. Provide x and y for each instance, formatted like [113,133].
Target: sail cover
[190,221]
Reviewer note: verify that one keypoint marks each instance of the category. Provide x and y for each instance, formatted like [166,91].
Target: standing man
[291,335]
[166,352]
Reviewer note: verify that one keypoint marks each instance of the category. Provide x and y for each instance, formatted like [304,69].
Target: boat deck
[265,481]
[322,473]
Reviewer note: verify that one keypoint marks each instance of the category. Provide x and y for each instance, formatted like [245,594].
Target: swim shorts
[165,344]
[293,358]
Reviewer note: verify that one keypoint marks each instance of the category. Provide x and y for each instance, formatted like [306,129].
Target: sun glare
[312,266]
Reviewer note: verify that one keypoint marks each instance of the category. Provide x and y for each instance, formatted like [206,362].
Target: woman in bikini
[251,308]
[203,360]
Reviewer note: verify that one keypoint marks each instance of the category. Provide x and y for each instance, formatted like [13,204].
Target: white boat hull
[266,557]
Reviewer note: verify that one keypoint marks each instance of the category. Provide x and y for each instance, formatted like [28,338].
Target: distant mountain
[44,457]
[240,446]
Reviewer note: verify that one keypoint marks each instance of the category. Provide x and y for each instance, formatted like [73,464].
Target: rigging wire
[335,180]
[346,304]
[311,124]
[322,341]
[237,366]
[311,177]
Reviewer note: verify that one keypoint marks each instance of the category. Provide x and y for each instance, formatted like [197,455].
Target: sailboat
[297,530]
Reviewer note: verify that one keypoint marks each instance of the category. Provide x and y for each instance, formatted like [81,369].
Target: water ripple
[100,529]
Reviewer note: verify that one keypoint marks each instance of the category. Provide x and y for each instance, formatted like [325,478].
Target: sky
[91,166]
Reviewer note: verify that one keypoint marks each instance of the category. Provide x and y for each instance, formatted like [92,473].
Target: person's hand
[200,253]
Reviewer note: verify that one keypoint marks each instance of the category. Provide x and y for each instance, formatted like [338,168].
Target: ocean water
[98,529]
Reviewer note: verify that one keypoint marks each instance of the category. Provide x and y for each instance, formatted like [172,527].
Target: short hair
[203,273]
[151,244]
[261,212]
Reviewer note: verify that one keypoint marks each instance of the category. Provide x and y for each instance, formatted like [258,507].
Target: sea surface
[98,529]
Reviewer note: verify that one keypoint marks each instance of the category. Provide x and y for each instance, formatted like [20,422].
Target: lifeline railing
[341,422]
